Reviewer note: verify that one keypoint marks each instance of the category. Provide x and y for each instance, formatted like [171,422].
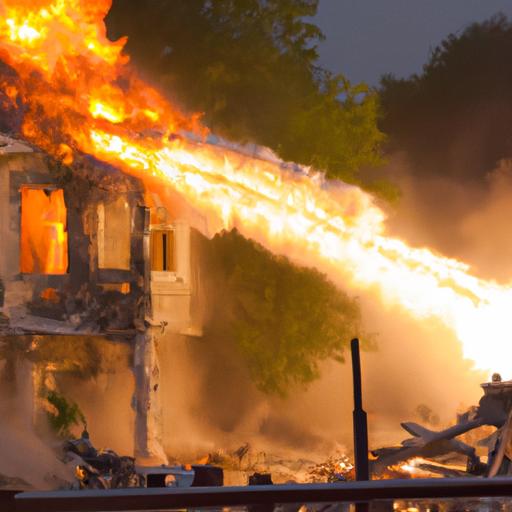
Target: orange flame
[80,93]
[44,240]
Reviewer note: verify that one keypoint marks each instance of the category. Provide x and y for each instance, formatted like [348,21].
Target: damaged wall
[105,398]
[93,258]
[90,371]
[101,289]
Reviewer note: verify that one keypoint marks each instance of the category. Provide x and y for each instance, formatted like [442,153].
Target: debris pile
[242,463]
[336,468]
[430,452]
[103,469]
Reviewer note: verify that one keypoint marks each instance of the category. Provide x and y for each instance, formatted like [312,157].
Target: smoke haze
[466,220]
[416,361]
[26,455]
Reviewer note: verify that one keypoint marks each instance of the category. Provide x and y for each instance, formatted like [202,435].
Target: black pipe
[360,420]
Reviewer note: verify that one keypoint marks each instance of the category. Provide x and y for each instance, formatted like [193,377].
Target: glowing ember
[81,94]
[411,466]
[418,467]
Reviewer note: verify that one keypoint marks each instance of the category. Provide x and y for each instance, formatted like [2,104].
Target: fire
[418,467]
[410,467]
[44,241]
[81,94]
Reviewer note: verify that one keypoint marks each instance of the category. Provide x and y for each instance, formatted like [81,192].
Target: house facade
[89,252]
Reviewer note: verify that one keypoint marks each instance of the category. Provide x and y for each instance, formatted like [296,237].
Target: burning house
[96,256]
[94,175]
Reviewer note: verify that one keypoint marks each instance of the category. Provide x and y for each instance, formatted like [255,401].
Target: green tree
[76,355]
[282,319]
[66,414]
[454,118]
[251,67]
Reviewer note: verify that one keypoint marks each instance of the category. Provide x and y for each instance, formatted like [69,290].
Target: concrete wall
[105,398]
[104,287]
[171,291]
[15,167]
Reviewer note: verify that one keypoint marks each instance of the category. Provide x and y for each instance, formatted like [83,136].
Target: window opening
[44,237]
[162,250]
[114,232]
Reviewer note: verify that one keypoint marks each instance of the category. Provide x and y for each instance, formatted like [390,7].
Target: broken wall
[93,279]
[104,286]
[106,397]
[90,371]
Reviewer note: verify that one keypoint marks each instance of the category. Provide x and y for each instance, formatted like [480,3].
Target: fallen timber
[494,409]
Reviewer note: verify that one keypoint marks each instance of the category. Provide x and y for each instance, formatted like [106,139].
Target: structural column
[147,402]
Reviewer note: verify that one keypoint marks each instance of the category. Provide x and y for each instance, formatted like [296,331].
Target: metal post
[359,418]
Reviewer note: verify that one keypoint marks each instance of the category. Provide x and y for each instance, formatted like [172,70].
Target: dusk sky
[367,38]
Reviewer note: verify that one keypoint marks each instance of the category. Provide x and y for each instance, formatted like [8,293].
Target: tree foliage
[77,355]
[283,319]
[250,66]
[65,414]
[454,118]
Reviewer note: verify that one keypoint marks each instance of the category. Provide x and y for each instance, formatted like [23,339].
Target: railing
[201,497]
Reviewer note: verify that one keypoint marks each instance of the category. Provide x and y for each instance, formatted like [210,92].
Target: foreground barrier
[200,497]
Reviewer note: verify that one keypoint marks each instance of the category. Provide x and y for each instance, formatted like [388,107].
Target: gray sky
[366,38]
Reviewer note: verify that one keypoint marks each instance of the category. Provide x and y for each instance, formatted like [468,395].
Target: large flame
[80,93]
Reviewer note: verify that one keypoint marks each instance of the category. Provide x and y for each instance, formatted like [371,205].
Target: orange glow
[79,84]
[50,294]
[44,240]
[418,467]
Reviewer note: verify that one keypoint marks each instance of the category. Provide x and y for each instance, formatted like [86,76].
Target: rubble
[336,468]
[103,469]
[282,468]
[426,446]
